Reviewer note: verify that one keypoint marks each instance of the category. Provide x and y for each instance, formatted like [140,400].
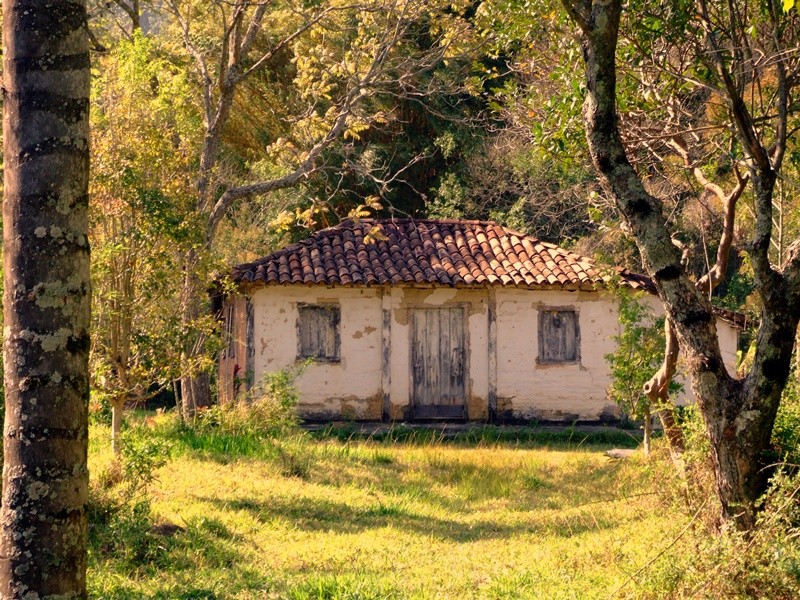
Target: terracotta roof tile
[469,253]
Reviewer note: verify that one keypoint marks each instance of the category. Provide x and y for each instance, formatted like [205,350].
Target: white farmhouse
[412,319]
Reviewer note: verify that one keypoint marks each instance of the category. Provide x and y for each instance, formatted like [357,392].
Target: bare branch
[267,56]
[264,187]
[132,10]
[715,274]
[739,109]
[197,56]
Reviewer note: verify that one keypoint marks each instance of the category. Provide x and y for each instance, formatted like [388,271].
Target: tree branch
[715,274]
[267,56]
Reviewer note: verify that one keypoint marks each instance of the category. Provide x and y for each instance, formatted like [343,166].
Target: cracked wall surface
[372,378]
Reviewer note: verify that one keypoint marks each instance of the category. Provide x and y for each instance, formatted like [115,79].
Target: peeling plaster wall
[350,388]
[527,389]
[372,378]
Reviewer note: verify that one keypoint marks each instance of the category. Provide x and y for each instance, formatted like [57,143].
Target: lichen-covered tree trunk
[46,299]
[739,414]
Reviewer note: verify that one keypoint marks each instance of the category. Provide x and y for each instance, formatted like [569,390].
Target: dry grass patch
[302,518]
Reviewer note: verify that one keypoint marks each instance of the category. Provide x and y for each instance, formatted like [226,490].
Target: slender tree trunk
[195,380]
[117,408]
[648,431]
[672,431]
[196,394]
[46,299]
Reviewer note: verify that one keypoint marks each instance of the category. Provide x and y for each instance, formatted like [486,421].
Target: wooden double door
[439,369]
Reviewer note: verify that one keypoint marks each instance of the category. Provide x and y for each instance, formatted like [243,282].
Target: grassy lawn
[320,517]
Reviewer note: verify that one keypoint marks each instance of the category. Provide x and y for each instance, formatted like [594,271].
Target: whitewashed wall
[350,388]
[529,390]
[372,378]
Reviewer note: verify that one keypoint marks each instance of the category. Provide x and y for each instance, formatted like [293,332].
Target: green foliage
[340,587]
[709,564]
[786,432]
[121,530]
[99,407]
[142,187]
[700,560]
[639,353]
[487,435]
[142,455]
[268,410]
[121,523]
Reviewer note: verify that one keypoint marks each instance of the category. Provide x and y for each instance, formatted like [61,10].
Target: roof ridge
[453,252]
[423,220]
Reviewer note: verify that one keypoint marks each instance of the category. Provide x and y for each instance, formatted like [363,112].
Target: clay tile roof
[430,252]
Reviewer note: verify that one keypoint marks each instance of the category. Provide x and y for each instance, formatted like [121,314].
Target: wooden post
[491,317]
[386,353]
[250,360]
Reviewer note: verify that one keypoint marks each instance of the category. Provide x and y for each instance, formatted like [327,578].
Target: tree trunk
[195,378]
[738,414]
[117,408]
[672,431]
[46,299]
[195,394]
[648,431]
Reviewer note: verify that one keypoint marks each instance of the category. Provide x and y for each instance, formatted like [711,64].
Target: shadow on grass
[320,515]
[372,466]
[528,436]
[224,447]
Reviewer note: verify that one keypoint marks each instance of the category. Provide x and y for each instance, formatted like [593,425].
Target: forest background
[336,110]
[222,130]
[213,146]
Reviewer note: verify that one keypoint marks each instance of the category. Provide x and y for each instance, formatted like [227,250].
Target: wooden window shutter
[559,336]
[318,332]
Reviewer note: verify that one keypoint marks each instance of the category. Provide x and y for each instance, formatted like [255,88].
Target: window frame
[543,312]
[336,311]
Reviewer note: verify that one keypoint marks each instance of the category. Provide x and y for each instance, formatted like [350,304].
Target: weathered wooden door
[438,363]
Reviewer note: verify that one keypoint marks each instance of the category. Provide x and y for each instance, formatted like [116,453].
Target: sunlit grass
[324,518]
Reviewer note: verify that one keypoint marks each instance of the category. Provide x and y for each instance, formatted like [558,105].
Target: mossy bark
[739,413]
[46,299]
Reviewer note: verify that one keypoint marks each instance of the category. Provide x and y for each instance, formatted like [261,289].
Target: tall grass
[238,512]
[567,437]
[302,516]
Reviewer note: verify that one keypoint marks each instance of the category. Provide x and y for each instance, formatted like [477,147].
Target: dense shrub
[268,410]
[763,564]
[702,562]
[120,520]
